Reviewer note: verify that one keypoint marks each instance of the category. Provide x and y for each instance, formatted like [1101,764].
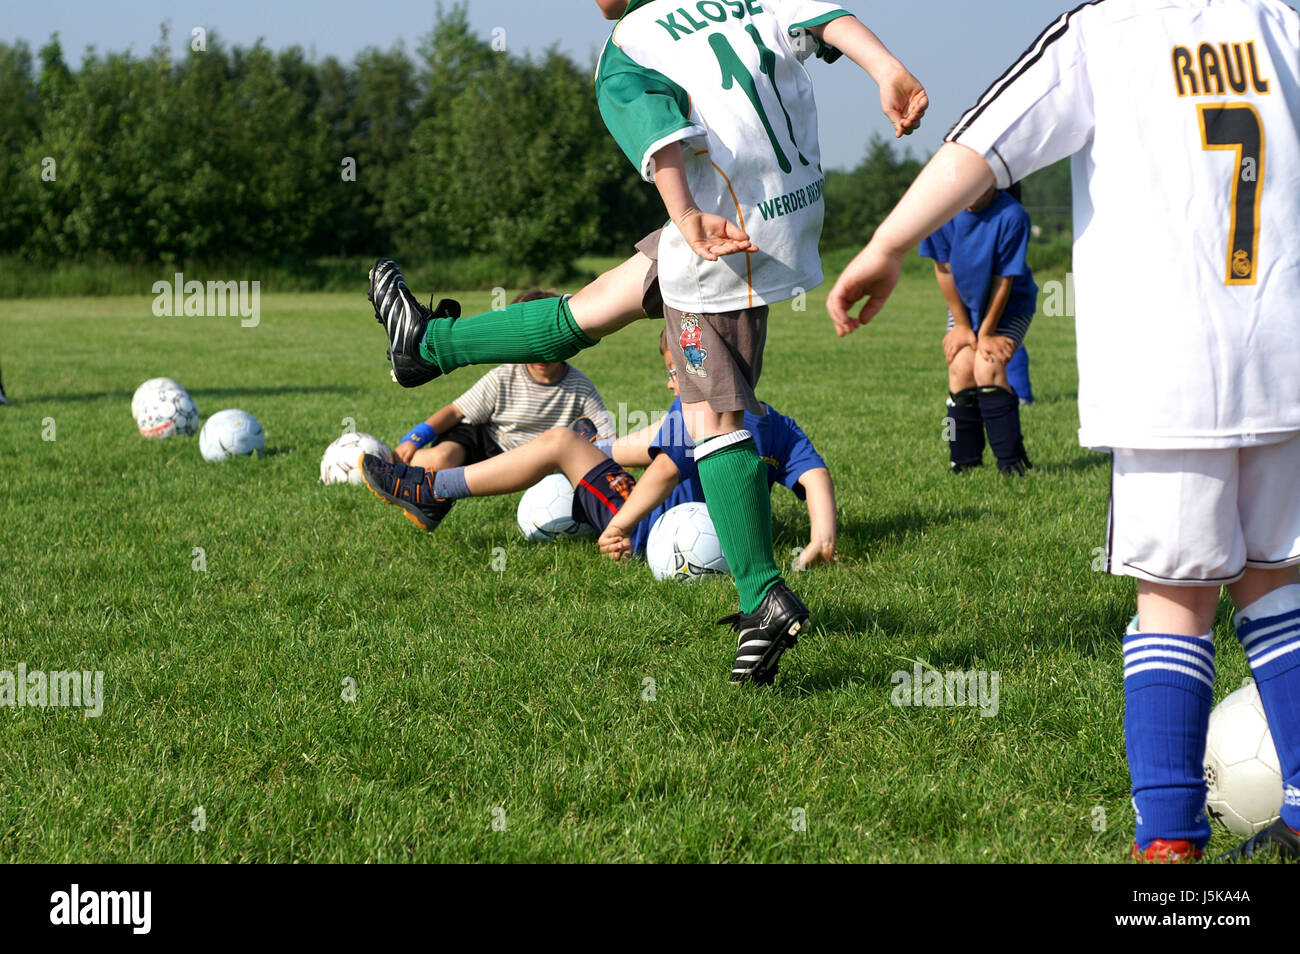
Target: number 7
[1237,128]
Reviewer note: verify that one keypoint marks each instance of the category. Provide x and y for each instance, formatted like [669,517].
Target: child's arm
[962,335]
[993,346]
[711,236]
[953,180]
[633,450]
[820,491]
[902,97]
[651,490]
[440,422]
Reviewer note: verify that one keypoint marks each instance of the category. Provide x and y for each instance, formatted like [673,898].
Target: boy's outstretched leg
[424,344]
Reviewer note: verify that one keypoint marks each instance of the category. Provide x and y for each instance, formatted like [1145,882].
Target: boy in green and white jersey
[712,103]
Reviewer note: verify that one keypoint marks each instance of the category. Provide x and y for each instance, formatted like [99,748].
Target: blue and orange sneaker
[586,429]
[1278,841]
[1163,852]
[405,321]
[408,487]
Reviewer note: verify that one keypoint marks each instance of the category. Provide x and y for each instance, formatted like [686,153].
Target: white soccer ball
[684,546]
[546,510]
[231,433]
[148,391]
[339,465]
[1241,766]
[167,412]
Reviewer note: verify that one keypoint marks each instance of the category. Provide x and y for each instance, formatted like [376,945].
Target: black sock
[1000,409]
[966,433]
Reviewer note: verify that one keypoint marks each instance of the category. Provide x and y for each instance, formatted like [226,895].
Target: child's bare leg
[440,456]
[961,371]
[1179,610]
[990,373]
[614,300]
[702,422]
[558,449]
[1258,583]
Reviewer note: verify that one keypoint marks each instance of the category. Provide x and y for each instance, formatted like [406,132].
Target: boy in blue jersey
[979,261]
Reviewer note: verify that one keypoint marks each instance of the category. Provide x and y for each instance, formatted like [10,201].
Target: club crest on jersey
[692,342]
[1241,264]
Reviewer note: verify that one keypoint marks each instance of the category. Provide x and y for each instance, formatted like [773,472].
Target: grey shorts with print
[719,357]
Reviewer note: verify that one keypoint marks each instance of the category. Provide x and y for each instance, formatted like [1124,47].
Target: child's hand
[615,544]
[996,349]
[712,236]
[957,341]
[873,275]
[904,101]
[817,551]
[404,452]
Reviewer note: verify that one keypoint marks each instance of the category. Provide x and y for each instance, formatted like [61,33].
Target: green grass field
[500,715]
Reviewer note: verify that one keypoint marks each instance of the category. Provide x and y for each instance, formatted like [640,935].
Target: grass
[516,697]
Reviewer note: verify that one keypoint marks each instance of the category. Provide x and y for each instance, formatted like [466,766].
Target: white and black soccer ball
[150,391]
[1241,765]
[683,545]
[340,463]
[231,433]
[167,412]
[546,510]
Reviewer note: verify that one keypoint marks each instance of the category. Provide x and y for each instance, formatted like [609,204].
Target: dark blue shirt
[984,245]
[786,450]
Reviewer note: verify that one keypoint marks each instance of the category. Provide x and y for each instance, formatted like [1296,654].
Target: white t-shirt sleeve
[479,403]
[1039,112]
[796,15]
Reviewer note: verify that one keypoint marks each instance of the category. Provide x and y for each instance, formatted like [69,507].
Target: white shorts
[1201,517]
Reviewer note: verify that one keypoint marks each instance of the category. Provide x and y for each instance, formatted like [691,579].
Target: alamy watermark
[36,689]
[195,299]
[977,688]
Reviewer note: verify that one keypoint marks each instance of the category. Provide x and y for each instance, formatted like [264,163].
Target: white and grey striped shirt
[515,407]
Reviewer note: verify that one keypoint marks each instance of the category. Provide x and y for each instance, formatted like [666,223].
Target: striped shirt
[515,407]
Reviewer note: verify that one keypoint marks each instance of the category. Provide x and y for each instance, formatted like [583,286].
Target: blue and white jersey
[784,447]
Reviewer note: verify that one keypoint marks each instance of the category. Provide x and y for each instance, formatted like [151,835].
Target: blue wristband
[421,435]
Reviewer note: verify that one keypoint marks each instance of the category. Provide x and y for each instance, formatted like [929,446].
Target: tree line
[244,154]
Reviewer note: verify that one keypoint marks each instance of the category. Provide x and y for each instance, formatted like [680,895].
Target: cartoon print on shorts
[692,341]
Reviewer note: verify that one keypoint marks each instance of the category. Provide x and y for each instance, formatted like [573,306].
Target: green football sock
[739,501]
[531,331]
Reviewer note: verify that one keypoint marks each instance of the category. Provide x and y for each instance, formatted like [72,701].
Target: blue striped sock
[1269,631]
[1168,689]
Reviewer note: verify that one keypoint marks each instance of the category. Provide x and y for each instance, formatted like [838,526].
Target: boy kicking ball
[1184,122]
[719,114]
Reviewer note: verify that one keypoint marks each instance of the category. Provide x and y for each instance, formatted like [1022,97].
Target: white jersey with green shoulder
[1183,117]
[727,81]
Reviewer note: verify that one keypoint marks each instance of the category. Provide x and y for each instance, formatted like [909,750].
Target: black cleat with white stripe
[764,635]
[405,320]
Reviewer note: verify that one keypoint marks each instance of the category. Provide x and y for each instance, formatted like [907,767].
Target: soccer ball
[148,392]
[230,434]
[1241,766]
[684,546]
[339,465]
[167,412]
[546,510]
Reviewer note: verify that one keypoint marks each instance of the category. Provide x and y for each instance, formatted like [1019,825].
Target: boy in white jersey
[1183,117]
[712,103]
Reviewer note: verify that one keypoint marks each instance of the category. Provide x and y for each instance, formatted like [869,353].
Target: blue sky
[956,47]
